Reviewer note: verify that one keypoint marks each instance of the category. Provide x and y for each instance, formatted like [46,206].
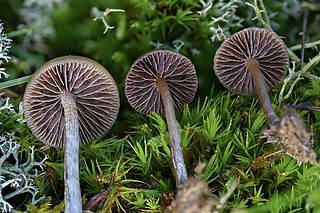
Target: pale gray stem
[72,193]
[175,140]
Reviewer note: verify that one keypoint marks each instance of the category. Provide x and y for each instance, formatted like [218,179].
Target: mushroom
[71,100]
[163,81]
[251,62]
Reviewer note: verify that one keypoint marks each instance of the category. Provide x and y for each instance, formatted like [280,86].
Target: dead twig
[100,196]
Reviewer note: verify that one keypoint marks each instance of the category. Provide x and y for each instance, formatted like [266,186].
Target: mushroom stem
[175,141]
[72,193]
[261,90]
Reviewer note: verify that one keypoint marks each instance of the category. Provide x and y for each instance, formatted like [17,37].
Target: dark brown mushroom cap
[95,92]
[259,43]
[178,71]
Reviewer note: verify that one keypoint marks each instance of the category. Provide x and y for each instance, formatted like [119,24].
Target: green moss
[221,131]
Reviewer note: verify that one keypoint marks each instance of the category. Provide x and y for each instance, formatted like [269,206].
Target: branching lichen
[4,49]
[37,22]
[228,19]
[6,104]
[17,177]
[206,6]
[176,46]
[7,107]
[103,15]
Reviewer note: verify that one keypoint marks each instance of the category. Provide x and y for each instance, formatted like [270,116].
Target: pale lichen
[7,107]
[103,16]
[17,173]
[4,50]
[36,19]
[225,19]
[16,177]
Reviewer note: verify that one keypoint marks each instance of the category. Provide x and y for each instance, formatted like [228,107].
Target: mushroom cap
[93,88]
[258,43]
[142,91]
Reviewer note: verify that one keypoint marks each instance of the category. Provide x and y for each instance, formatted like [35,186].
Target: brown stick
[303,34]
[98,197]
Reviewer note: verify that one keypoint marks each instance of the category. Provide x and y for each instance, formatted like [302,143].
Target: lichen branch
[17,176]
[103,15]
[227,18]
[4,49]
[303,73]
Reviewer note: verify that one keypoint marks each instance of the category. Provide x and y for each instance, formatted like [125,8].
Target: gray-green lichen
[36,19]
[17,177]
[4,49]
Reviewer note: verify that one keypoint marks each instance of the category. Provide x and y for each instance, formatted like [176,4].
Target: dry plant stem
[175,141]
[9,93]
[72,193]
[306,45]
[261,90]
[15,82]
[304,28]
[98,197]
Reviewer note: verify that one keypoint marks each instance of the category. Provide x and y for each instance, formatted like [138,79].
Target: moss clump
[219,130]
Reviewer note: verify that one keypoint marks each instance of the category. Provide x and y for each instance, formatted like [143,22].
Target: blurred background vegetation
[218,128]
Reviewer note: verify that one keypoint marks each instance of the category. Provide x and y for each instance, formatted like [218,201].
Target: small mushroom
[68,101]
[251,62]
[163,81]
